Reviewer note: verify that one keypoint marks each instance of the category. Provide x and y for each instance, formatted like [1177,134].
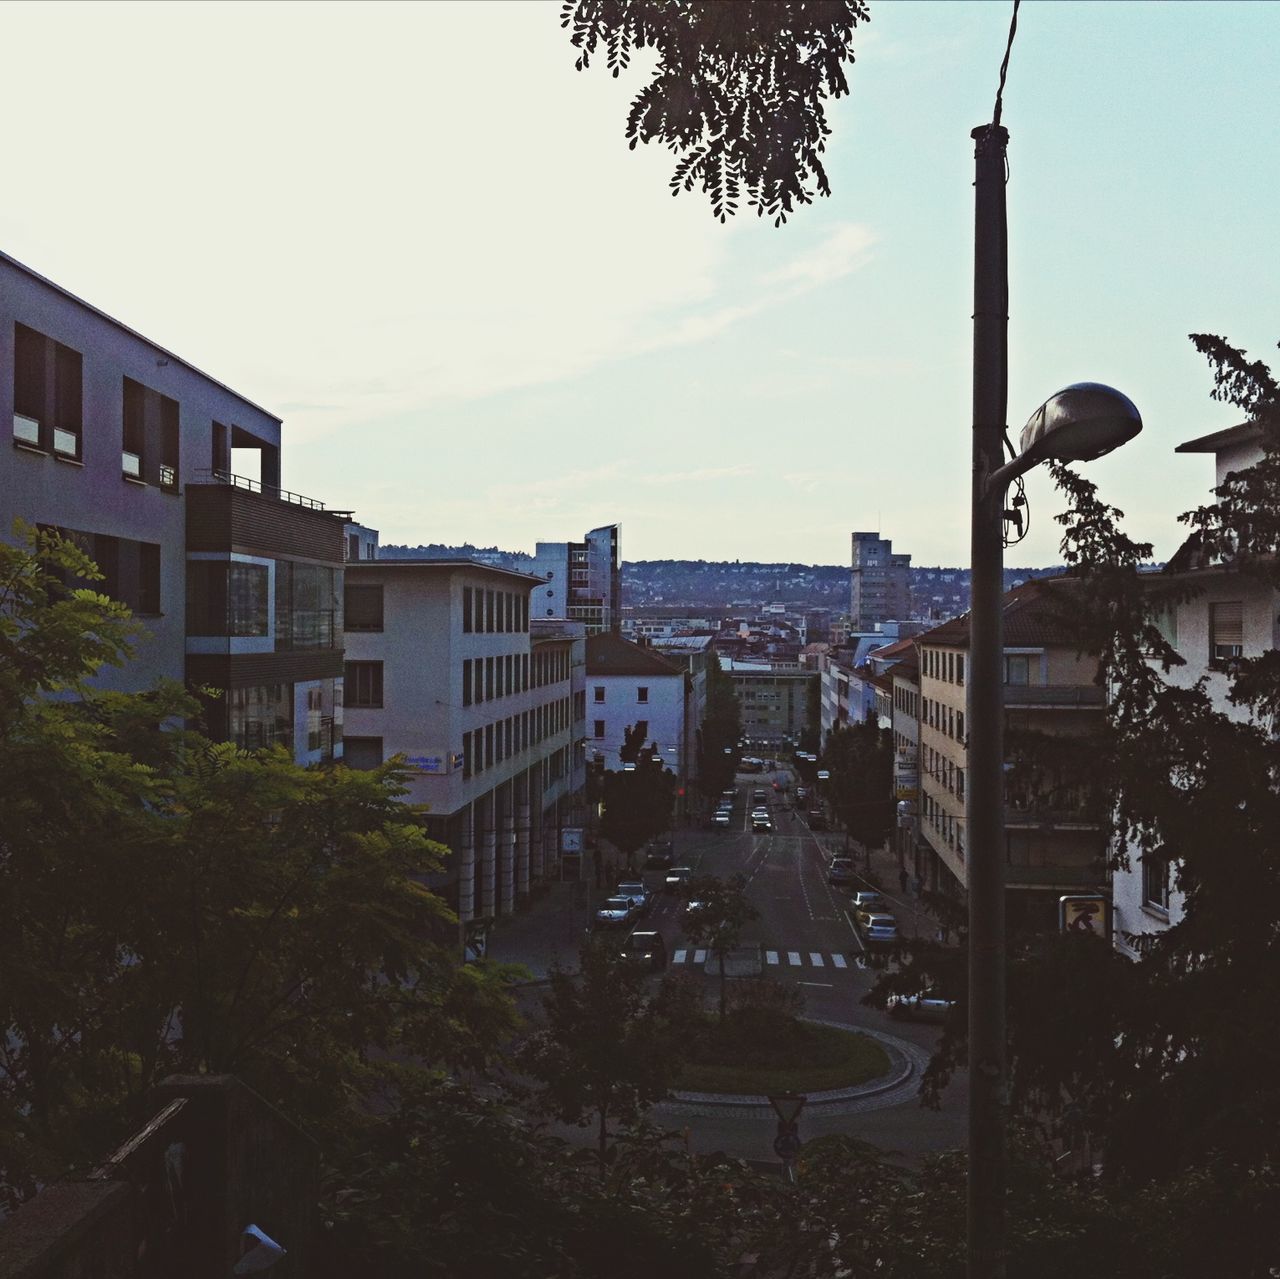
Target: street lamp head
[1081,422]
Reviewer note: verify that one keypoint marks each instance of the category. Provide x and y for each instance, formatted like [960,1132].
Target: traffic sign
[786,1145]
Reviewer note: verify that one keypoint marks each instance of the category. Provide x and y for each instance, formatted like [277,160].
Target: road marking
[699,956]
[793,957]
[815,958]
[826,984]
[678,957]
[771,956]
[839,961]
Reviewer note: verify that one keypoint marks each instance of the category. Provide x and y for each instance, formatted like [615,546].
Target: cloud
[845,249]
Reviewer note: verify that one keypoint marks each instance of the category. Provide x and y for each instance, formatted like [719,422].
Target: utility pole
[984,808]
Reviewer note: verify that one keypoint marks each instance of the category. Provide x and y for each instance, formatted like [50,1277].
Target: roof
[1241,434]
[609,654]
[894,652]
[1034,615]
[364,566]
[693,643]
[124,328]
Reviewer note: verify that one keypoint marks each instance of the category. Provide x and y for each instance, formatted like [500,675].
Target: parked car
[868,899]
[641,898]
[840,871]
[677,878]
[615,912]
[923,1007]
[661,855]
[878,928]
[645,948]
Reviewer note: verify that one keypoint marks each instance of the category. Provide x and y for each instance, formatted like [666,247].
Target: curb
[900,1070]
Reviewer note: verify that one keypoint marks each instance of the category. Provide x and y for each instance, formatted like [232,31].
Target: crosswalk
[773,958]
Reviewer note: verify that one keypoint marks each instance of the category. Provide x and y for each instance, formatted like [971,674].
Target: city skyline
[509,331]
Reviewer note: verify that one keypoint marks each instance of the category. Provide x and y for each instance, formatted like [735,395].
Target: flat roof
[124,328]
[529,579]
[1240,434]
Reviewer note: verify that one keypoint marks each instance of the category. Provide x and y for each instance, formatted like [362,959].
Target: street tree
[739,91]
[859,758]
[721,728]
[172,904]
[721,913]
[638,800]
[608,1049]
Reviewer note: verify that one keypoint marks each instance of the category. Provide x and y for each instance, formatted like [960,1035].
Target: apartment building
[628,684]
[582,580]
[1231,615]
[775,700]
[446,667]
[171,482]
[693,653]
[1054,824]
[879,582]
[905,726]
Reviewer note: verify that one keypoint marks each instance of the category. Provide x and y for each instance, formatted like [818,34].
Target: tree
[720,731]
[1165,1067]
[739,91]
[608,1049]
[860,760]
[638,801]
[175,905]
[722,912]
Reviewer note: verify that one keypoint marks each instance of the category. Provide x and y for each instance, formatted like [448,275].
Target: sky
[416,233]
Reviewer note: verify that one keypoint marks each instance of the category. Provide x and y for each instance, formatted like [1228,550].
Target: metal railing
[256,486]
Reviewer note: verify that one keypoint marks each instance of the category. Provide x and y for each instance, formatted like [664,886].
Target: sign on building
[571,839]
[437,764]
[1084,914]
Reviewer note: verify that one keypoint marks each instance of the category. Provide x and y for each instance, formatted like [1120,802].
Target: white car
[640,897]
[922,1007]
[615,912]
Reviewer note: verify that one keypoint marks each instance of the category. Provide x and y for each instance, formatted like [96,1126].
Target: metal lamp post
[1079,423]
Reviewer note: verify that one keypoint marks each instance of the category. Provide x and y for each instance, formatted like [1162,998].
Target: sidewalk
[547,931]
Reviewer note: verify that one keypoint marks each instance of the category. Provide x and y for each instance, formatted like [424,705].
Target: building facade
[1055,828]
[1229,615]
[132,452]
[879,582]
[583,580]
[446,667]
[630,685]
[776,701]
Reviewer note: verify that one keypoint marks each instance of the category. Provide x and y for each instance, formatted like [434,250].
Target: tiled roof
[610,654]
[1035,614]
[893,652]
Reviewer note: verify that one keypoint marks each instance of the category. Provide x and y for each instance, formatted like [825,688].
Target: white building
[583,580]
[1232,615]
[629,685]
[448,669]
[693,652]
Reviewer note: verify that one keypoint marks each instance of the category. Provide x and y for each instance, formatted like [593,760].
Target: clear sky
[416,233]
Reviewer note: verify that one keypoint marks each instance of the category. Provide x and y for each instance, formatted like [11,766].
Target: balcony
[1054,696]
[208,476]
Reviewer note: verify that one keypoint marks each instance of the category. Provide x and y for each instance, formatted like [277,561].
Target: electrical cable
[1004,66]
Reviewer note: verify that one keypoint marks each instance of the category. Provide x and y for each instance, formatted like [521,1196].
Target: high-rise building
[879,583]
[584,580]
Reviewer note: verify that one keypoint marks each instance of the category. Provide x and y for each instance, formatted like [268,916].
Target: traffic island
[754,1056]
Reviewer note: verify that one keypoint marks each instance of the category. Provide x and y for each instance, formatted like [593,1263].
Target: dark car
[677,879]
[646,948]
[661,855]
[817,821]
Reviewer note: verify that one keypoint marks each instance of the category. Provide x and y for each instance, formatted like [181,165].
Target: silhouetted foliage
[739,93]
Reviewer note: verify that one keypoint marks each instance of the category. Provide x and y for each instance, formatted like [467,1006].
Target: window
[1226,631]
[599,728]
[466,682]
[959,668]
[466,610]
[488,611]
[488,679]
[466,756]
[642,693]
[47,411]
[1017,669]
[261,716]
[364,607]
[488,741]
[363,684]
[599,693]
[1155,881]
[362,753]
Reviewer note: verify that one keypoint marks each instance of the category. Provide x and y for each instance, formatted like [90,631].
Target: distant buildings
[583,580]
[776,700]
[879,582]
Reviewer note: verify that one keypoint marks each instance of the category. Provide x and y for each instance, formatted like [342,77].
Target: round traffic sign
[786,1145]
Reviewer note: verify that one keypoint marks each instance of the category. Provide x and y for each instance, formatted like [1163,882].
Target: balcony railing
[1083,696]
[256,486]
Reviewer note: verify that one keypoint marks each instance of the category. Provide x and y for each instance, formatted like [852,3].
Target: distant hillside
[939,591]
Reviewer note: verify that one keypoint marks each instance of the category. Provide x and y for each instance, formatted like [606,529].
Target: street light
[1082,422]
